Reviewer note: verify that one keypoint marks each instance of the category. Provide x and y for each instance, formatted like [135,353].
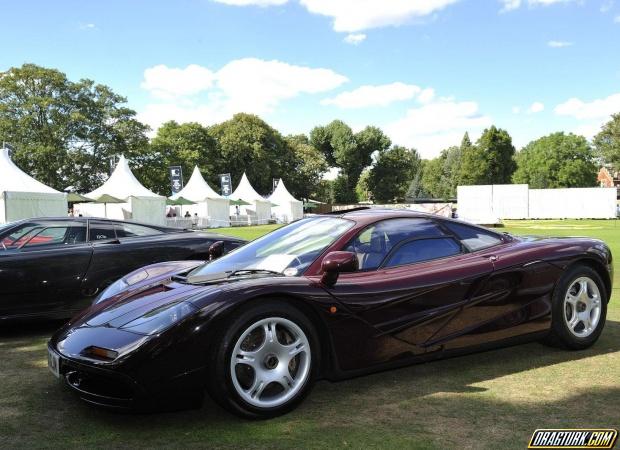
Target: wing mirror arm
[336,263]
[216,250]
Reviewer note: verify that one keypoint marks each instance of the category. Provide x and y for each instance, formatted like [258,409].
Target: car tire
[253,372]
[579,309]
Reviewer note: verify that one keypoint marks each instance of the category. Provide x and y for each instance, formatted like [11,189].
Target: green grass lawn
[488,400]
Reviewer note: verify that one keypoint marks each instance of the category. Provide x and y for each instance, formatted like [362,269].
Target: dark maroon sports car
[330,296]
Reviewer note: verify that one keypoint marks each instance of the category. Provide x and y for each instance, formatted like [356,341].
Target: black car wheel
[579,309]
[266,361]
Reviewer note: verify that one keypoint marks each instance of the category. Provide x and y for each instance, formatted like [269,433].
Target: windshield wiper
[251,271]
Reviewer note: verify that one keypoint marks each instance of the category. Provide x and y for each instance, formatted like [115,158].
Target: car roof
[98,219]
[364,214]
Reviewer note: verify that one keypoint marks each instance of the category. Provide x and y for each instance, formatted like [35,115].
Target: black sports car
[329,296]
[52,268]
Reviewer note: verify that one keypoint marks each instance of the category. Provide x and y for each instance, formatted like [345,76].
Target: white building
[140,204]
[23,197]
[259,209]
[212,209]
[288,207]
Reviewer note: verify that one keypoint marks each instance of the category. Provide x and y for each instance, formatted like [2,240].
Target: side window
[423,250]
[56,236]
[374,243]
[473,238]
[20,236]
[101,231]
[132,230]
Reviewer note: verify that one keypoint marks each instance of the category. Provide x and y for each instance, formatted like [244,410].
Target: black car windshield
[288,250]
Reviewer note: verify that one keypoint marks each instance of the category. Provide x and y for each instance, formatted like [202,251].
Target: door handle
[492,258]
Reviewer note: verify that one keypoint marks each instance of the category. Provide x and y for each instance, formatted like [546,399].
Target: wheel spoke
[295,349]
[287,382]
[247,358]
[258,387]
[583,289]
[270,332]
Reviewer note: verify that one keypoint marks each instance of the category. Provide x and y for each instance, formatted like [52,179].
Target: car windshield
[289,250]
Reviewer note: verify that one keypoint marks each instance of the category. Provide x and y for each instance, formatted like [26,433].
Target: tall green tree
[490,161]
[390,176]
[351,152]
[248,144]
[607,142]
[64,133]
[188,145]
[557,160]
[304,180]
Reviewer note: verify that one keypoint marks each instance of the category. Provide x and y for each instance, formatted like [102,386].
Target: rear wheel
[579,309]
[265,363]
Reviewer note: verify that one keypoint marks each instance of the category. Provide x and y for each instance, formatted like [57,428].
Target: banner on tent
[225,184]
[176,178]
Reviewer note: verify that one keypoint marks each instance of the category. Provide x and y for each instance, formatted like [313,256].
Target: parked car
[53,268]
[329,296]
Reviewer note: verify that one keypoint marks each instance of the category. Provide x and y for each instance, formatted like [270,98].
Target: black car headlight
[160,319]
[121,284]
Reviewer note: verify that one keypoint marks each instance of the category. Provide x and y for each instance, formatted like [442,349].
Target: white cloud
[617,19]
[355,38]
[536,107]
[426,95]
[596,109]
[559,44]
[367,96]
[250,85]
[166,82]
[516,110]
[252,2]
[357,15]
[606,6]
[437,125]
[511,5]
[592,114]
[88,26]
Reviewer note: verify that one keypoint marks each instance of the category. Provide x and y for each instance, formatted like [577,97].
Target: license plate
[53,362]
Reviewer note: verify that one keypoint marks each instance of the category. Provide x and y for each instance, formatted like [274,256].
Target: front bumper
[114,390]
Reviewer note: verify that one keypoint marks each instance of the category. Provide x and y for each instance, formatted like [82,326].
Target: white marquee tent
[209,204]
[289,208]
[259,209]
[22,197]
[140,204]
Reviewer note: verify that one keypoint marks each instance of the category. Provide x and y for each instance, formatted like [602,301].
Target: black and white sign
[226,184]
[176,178]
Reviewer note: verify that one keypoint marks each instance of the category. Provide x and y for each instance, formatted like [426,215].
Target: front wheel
[265,363]
[579,309]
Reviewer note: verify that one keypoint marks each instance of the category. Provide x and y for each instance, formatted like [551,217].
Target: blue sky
[425,71]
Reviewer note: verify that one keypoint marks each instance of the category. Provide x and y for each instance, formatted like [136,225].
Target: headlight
[121,284]
[161,318]
[113,289]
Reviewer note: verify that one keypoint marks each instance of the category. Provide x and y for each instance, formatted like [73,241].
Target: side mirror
[335,263]
[216,250]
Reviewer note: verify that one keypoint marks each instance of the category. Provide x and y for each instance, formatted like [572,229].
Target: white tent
[259,209]
[289,208]
[209,204]
[140,204]
[22,197]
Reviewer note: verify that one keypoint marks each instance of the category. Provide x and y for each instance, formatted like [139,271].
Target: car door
[415,278]
[41,273]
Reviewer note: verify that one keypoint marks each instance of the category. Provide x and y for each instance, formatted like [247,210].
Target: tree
[349,151]
[557,160]
[248,144]
[187,145]
[490,161]
[305,177]
[390,176]
[64,133]
[607,142]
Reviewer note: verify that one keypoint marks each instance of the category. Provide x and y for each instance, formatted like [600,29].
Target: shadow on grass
[392,407]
